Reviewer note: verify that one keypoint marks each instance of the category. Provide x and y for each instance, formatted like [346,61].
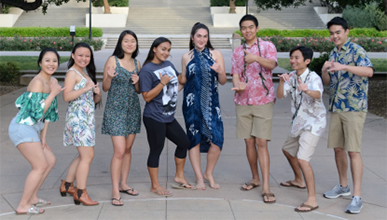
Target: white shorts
[303,145]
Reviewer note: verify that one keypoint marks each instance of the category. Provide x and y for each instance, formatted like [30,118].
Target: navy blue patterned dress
[201,108]
[122,114]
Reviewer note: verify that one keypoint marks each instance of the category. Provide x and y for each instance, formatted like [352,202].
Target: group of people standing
[202,70]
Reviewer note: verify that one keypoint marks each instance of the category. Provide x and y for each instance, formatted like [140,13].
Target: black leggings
[156,134]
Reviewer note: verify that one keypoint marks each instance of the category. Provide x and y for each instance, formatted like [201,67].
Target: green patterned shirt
[31,106]
[348,92]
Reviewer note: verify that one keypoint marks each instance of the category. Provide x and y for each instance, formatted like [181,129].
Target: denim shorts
[21,133]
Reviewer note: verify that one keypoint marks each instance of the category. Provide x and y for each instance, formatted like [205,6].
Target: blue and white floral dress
[80,122]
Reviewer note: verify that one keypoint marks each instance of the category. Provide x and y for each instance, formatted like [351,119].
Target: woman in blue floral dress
[82,92]
[28,129]
[122,116]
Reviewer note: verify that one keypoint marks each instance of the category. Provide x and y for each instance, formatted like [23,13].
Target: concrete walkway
[231,172]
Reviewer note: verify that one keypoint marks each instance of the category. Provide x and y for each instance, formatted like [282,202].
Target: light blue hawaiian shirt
[348,92]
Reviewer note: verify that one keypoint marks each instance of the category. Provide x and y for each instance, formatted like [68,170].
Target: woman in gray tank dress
[122,116]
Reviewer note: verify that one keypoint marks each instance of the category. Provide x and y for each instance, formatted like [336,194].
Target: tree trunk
[27,6]
[385,7]
[232,6]
[106,7]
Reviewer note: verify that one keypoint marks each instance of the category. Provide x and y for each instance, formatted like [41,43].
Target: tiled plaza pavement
[231,172]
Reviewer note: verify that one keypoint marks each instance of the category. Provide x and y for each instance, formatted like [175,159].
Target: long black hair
[119,52]
[195,28]
[44,51]
[155,44]
[90,68]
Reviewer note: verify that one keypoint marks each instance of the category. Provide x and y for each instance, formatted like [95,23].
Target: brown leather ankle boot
[81,196]
[65,188]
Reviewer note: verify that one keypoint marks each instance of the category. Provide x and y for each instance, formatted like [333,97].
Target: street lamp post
[247,6]
[89,19]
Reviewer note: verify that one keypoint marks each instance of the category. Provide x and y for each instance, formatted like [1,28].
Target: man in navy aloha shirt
[347,72]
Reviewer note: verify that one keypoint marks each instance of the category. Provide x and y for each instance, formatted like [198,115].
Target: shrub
[18,43]
[368,16]
[48,31]
[227,3]
[317,63]
[10,72]
[117,3]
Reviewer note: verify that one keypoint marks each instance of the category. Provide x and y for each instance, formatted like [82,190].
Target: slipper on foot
[292,185]
[183,186]
[115,204]
[246,186]
[311,208]
[32,210]
[129,192]
[268,195]
[42,202]
[162,193]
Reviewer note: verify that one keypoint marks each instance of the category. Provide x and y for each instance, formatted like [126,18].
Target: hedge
[48,31]
[227,3]
[356,32]
[116,3]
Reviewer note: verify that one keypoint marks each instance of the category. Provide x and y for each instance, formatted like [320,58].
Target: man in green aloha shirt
[347,73]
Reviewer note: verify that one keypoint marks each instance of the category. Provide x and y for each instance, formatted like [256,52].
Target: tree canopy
[30,6]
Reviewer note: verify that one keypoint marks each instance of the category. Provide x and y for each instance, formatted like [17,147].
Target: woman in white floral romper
[82,92]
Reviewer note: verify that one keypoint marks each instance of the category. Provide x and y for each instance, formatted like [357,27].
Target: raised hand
[336,67]
[97,90]
[216,67]
[55,88]
[302,86]
[111,73]
[134,77]
[89,85]
[327,65]
[285,77]
[164,79]
[249,58]
[240,88]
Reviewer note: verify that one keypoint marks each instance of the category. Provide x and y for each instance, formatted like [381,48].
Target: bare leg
[51,160]
[264,163]
[34,154]
[72,170]
[357,172]
[309,179]
[126,161]
[86,155]
[116,164]
[252,157]
[294,163]
[156,187]
[194,157]
[342,165]
[179,177]
[212,158]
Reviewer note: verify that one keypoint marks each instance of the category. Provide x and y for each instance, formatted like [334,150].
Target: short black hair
[307,53]
[338,21]
[249,18]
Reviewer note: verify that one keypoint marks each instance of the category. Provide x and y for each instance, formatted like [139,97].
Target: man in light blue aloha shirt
[347,73]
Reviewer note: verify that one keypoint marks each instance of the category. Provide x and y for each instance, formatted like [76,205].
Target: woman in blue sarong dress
[202,69]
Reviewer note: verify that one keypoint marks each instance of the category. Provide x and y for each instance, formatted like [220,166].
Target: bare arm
[151,94]
[72,78]
[265,63]
[219,68]
[182,76]
[283,78]
[137,84]
[108,73]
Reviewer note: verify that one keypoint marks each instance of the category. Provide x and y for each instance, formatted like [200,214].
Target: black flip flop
[127,192]
[114,199]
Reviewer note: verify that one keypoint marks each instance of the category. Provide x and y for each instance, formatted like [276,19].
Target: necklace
[297,107]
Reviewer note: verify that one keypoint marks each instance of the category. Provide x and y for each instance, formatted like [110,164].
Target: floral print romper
[80,122]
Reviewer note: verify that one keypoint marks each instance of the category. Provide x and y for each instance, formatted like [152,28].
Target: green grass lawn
[380,64]
[26,62]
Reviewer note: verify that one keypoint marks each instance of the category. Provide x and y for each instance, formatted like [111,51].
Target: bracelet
[162,84]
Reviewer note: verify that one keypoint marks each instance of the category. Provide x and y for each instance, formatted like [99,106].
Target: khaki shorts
[303,145]
[254,121]
[345,130]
